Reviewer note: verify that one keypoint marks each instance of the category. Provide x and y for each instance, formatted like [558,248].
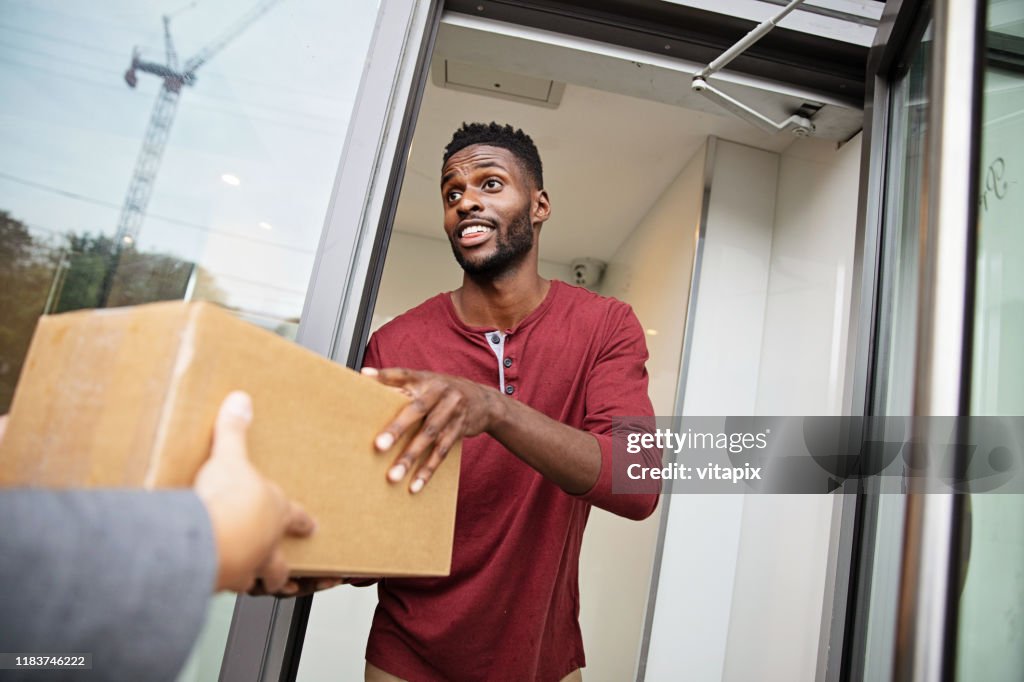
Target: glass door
[892,385]
[130,175]
[990,627]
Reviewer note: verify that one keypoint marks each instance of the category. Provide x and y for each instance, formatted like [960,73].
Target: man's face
[490,207]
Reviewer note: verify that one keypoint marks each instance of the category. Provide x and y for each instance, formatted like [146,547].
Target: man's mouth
[474,232]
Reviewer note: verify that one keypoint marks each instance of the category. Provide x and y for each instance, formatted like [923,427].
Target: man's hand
[298,587]
[450,407]
[250,515]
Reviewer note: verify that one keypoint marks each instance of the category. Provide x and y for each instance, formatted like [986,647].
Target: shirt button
[507,362]
[495,339]
[510,389]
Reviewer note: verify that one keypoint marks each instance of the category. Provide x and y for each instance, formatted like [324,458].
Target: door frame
[266,635]
[924,634]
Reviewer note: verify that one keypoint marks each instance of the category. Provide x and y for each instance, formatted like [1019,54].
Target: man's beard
[511,249]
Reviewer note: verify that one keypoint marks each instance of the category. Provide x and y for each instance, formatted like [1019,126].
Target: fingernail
[396,473]
[290,588]
[384,441]
[416,486]
[369,371]
[239,404]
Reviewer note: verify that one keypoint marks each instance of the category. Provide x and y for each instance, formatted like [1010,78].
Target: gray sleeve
[124,575]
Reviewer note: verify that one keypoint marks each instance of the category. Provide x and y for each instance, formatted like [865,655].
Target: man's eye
[454,196]
[493,183]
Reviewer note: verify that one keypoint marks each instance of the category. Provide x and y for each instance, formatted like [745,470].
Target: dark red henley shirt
[510,608]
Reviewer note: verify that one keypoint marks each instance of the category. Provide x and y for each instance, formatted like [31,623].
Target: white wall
[805,325]
[743,577]
[802,358]
[651,271]
[690,628]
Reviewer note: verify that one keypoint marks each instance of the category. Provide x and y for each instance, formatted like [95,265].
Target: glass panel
[990,642]
[894,374]
[137,168]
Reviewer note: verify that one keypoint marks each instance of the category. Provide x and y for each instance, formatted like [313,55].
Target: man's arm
[123,575]
[126,574]
[577,460]
[453,408]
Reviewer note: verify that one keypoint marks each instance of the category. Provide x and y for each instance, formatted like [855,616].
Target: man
[126,575]
[530,372]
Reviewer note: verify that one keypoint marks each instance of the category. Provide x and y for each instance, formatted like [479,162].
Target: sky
[271,109]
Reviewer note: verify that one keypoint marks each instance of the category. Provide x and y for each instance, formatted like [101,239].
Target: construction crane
[174,78]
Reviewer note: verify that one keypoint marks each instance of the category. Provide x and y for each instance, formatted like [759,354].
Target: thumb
[233,421]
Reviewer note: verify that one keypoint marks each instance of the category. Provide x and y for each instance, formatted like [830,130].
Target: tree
[40,276]
[27,268]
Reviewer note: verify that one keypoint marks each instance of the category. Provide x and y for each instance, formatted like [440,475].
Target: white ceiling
[607,158]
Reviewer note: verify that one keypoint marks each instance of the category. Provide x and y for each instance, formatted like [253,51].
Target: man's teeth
[475,229]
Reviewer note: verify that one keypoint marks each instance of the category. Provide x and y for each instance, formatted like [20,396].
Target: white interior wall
[768,338]
[805,326]
[777,606]
[651,271]
[690,626]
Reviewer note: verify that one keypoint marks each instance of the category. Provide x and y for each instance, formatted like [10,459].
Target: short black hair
[505,136]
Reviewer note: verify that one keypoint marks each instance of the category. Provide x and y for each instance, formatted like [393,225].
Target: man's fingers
[437,422]
[300,523]
[275,572]
[393,376]
[296,587]
[233,421]
[438,454]
[423,402]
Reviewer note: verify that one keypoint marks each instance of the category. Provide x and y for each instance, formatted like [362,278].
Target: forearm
[91,570]
[568,457]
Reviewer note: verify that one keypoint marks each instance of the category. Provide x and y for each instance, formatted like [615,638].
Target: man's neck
[500,303]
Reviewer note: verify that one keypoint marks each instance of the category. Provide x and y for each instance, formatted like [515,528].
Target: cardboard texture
[127,397]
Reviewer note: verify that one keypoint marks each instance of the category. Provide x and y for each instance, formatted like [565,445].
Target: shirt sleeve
[124,575]
[371,358]
[617,400]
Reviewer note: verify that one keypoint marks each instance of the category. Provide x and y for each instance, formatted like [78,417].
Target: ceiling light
[265,225]
[652,332]
[230,179]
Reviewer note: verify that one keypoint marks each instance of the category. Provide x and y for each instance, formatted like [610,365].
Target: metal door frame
[265,639]
[925,628]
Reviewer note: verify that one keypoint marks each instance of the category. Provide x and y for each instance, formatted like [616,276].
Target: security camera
[586,272]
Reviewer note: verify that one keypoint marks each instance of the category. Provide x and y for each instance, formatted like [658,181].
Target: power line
[201,106]
[117,207]
[192,93]
[150,48]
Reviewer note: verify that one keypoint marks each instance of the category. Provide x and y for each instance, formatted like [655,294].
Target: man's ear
[541,206]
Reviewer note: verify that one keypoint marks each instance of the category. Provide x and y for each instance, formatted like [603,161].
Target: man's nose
[469,202]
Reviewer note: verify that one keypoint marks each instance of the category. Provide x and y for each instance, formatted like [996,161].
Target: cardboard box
[127,397]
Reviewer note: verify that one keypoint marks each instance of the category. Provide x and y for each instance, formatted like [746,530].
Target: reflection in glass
[990,636]
[894,373]
[268,109]
[151,159]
